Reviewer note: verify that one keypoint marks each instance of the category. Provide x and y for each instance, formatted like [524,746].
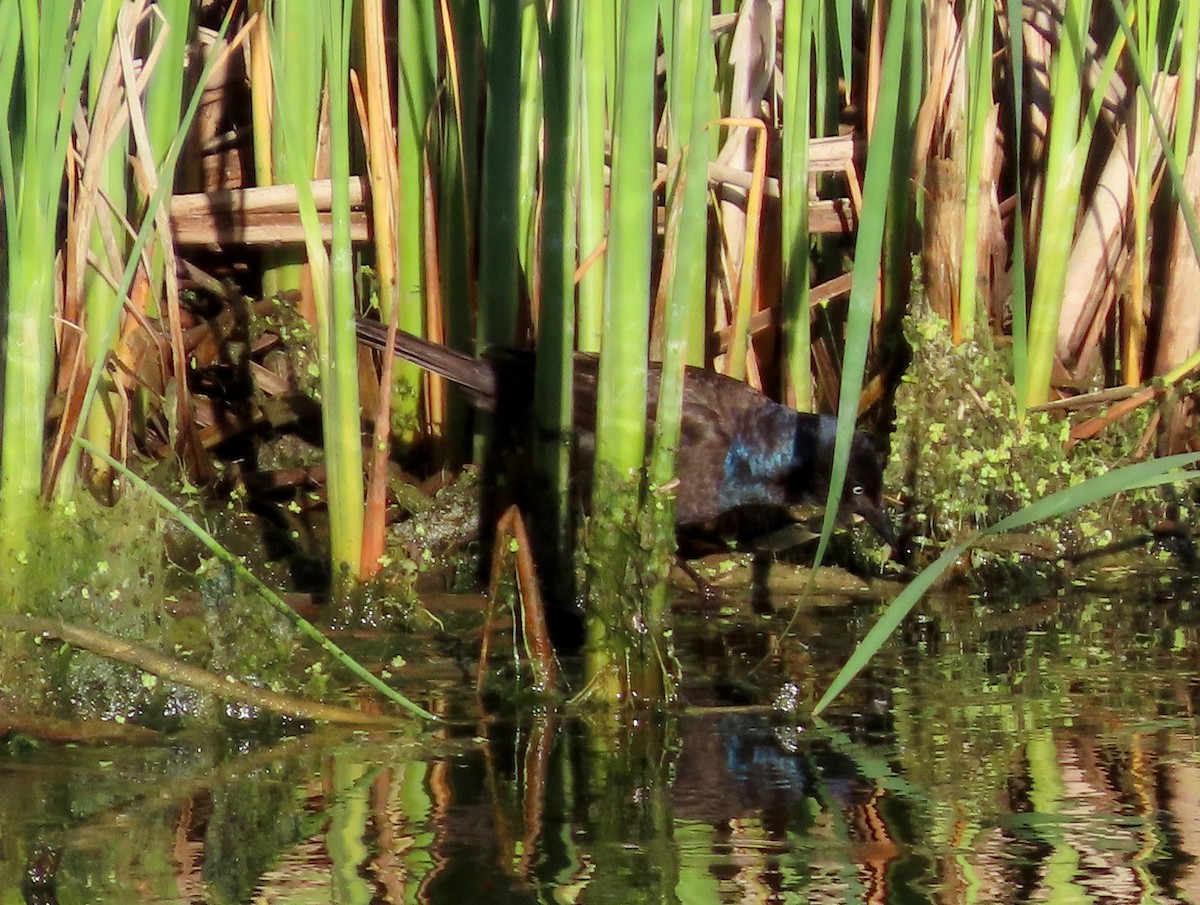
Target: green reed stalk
[1020,333]
[977,30]
[621,420]
[798,28]
[1064,170]
[1189,59]
[292,81]
[695,108]
[164,98]
[843,24]
[898,239]
[553,406]
[530,151]
[1146,15]
[498,233]
[108,240]
[333,290]
[614,14]
[828,70]
[621,402]
[598,26]
[416,52]
[340,413]
[689,74]
[458,170]
[44,53]
[689,83]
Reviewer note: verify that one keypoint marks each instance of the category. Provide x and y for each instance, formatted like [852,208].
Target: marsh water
[1006,746]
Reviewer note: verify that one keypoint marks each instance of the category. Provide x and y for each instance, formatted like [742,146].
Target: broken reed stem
[172,670]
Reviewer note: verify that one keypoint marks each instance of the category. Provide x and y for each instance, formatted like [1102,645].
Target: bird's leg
[511,534]
[705,589]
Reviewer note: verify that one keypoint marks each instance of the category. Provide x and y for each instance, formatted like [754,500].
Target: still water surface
[1002,748]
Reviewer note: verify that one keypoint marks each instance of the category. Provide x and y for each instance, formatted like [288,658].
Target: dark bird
[738,450]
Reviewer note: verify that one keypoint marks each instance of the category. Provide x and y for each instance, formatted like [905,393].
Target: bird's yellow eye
[856,490]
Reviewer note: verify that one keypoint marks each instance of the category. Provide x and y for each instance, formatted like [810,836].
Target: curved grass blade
[1143,474]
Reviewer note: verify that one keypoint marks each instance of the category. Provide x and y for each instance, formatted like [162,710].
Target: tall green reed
[498,234]
[980,135]
[333,286]
[621,390]
[559,39]
[106,192]
[1064,171]
[799,27]
[44,54]
[691,71]
[416,54]
[286,84]
[594,121]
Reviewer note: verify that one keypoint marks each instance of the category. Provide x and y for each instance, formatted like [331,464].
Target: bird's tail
[477,378]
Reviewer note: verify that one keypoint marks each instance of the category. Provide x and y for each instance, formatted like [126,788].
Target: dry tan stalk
[993,244]
[942,153]
[258,66]
[752,59]
[939,164]
[945,68]
[1037,27]
[172,670]
[942,238]
[1179,323]
[146,173]
[873,59]
[95,144]
[380,141]
[259,216]
[268,229]
[383,171]
[1096,267]
[267,199]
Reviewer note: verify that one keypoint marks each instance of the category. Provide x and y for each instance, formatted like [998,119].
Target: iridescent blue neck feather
[771,453]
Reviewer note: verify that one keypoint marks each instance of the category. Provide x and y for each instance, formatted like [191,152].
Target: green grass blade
[1143,474]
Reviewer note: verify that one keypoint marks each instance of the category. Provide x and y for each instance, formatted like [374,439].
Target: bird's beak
[878,519]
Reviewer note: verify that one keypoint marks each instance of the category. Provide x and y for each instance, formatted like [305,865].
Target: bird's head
[862,493]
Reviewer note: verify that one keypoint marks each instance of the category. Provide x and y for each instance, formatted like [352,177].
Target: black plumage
[738,450]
